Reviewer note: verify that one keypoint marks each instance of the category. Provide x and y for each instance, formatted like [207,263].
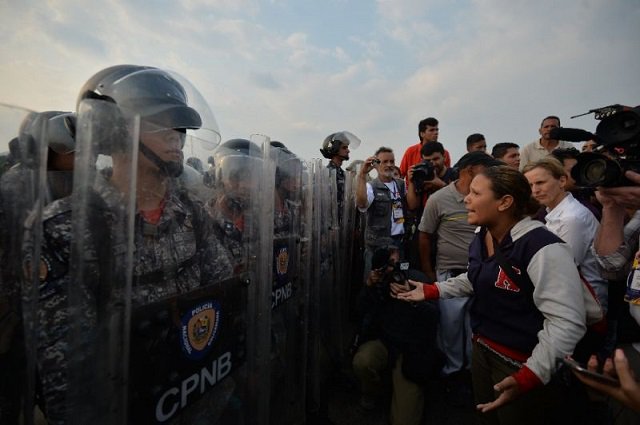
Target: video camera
[422,172]
[618,147]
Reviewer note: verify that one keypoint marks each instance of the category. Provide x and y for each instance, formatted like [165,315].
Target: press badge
[398,215]
[633,283]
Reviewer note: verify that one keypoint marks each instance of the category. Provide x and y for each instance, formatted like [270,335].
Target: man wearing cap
[445,219]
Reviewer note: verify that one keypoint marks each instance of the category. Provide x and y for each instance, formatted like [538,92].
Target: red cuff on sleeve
[431,292]
[526,379]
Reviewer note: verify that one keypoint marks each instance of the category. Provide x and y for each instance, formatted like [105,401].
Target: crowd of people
[513,251]
[138,286]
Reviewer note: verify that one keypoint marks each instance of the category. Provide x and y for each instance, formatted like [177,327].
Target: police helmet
[288,165]
[56,129]
[234,158]
[332,143]
[162,99]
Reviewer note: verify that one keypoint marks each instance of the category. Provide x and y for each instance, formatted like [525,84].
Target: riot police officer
[136,238]
[21,190]
[336,148]
[234,164]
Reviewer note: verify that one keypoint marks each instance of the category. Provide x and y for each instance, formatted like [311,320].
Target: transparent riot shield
[318,268]
[85,299]
[338,284]
[158,319]
[326,325]
[289,316]
[22,186]
[203,368]
[240,180]
[353,237]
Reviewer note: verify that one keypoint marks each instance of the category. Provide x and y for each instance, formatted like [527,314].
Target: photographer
[614,246]
[424,179]
[395,334]
[383,200]
[428,176]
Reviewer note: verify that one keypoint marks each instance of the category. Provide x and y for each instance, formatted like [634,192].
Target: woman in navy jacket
[521,328]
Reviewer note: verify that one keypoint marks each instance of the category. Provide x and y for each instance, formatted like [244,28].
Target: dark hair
[550,117]
[561,154]
[475,137]
[500,149]
[422,125]
[507,181]
[383,149]
[431,148]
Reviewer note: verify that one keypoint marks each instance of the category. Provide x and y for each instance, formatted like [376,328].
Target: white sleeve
[458,286]
[558,296]
[369,198]
[575,232]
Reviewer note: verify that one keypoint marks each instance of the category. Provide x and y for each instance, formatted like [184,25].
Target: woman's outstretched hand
[416,294]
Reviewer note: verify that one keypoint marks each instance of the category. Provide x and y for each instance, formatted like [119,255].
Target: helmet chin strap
[168,168]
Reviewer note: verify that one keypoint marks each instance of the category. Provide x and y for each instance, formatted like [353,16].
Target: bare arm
[413,199]
[610,233]
[424,243]
[361,184]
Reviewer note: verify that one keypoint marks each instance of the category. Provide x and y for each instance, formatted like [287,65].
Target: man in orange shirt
[427,132]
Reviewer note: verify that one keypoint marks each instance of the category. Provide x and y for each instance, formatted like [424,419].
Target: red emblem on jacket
[503,281]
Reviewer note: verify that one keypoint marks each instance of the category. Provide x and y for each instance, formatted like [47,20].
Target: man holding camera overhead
[383,200]
[445,219]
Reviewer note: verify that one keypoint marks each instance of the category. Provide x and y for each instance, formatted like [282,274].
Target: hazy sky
[298,70]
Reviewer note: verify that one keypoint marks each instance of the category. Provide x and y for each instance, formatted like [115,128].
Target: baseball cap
[477,158]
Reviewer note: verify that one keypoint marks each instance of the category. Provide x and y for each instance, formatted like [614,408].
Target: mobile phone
[600,377]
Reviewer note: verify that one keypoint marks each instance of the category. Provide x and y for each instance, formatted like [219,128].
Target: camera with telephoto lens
[422,172]
[617,149]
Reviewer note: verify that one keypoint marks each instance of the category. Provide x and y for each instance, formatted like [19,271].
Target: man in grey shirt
[445,218]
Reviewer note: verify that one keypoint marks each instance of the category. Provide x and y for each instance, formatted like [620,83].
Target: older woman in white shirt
[568,218]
